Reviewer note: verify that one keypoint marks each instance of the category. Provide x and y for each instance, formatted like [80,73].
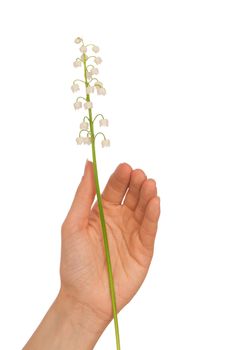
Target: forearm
[68,325]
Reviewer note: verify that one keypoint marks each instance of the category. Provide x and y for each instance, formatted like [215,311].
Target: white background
[167,70]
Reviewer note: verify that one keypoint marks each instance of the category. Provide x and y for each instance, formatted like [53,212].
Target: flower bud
[78,40]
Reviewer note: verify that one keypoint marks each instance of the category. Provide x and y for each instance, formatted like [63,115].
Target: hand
[83,308]
[131,228]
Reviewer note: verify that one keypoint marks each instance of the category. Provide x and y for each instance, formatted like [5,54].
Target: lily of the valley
[105,143]
[75,87]
[79,140]
[83,140]
[88,136]
[104,122]
[87,140]
[89,89]
[88,105]
[77,63]
[101,91]
[98,60]
[94,71]
[84,126]
[95,49]
[78,105]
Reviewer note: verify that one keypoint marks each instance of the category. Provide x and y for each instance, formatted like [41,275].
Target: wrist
[68,324]
[81,321]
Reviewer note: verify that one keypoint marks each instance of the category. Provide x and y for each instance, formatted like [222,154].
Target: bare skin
[82,309]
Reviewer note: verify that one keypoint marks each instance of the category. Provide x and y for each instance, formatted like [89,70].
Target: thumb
[83,199]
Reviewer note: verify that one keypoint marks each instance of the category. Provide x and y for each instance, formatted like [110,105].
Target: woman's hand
[83,309]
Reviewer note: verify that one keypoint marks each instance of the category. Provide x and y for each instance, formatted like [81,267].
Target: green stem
[93,79]
[85,117]
[90,57]
[102,218]
[98,116]
[99,133]
[82,81]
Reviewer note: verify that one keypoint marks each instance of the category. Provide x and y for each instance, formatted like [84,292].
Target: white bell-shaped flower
[101,91]
[77,63]
[104,122]
[105,143]
[75,87]
[83,49]
[88,105]
[95,49]
[79,140]
[98,60]
[77,104]
[87,140]
[78,40]
[84,126]
[94,70]
[89,89]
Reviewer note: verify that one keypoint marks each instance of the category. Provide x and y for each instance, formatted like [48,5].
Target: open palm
[131,209]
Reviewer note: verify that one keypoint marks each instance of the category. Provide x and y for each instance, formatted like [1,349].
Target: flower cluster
[85,128]
[90,84]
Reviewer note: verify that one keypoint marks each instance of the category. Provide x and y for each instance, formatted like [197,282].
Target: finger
[147,192]
[137,179]
[150,222]
[117,185]
[83,199]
